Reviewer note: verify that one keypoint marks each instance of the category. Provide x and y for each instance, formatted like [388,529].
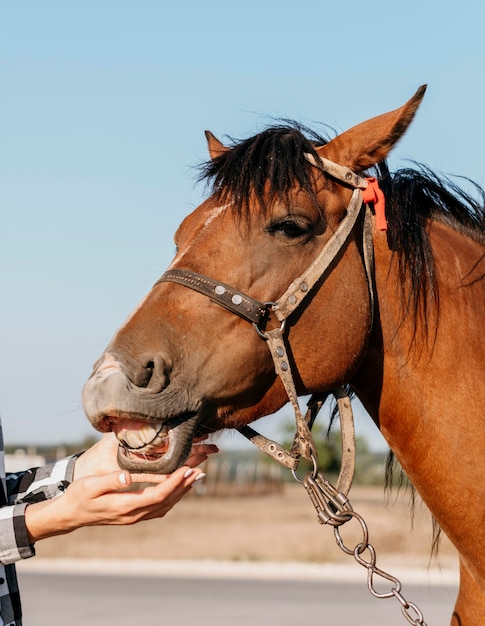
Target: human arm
[95,497]
[22,489]
[104,500]
[98,494]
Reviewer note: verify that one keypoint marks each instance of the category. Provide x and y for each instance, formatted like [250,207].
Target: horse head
[183,365]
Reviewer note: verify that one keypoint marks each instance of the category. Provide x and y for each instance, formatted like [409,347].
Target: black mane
[266,167]
[270,164]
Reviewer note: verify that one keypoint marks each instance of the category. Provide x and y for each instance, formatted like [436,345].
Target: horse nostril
[146,371]
[155,376]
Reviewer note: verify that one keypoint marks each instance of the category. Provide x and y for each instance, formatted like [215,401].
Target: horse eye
[289,228]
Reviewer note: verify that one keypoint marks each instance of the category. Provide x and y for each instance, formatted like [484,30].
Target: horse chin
[155,447]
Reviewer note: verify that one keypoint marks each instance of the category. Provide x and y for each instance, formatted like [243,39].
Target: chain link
[334,508]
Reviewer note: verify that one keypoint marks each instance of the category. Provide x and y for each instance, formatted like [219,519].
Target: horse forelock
[265,167]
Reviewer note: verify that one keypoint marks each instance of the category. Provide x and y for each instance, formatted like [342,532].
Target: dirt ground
[273,527]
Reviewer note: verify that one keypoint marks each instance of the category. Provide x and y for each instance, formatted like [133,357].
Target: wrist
[48,519]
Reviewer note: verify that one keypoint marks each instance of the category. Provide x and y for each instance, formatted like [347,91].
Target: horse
[394,311]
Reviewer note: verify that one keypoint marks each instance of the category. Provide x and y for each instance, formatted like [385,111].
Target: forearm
[29,519]
[96,498]
[48,519]
[105,500]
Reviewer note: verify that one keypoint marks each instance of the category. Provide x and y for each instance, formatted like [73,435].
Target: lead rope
[334,508]
[331,503]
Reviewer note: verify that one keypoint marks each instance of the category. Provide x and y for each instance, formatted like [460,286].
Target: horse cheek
[340,317]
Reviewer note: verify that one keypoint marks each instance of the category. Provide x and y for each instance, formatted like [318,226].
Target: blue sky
[102,111]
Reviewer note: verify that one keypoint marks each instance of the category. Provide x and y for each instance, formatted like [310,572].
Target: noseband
[258,312]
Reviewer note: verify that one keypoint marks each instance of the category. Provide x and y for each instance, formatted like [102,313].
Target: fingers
[96,486]
[186,475]
[199,454]
[192,476]
[157,498]
[204,448]
[121,480]
[106,499]
[124,479]
[200,438]
[196,459]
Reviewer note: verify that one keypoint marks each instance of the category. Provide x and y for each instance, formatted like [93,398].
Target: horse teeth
[145,439]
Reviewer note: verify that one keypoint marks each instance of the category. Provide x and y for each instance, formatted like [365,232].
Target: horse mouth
[157,447]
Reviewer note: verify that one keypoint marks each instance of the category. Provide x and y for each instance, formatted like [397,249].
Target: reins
[331,503]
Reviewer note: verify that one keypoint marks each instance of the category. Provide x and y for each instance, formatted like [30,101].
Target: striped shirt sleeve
[14,539]
[24,488]
[40,483]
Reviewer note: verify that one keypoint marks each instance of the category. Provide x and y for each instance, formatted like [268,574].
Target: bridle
[331,503]
[257,313]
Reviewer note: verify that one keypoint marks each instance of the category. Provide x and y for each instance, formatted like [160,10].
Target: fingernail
[189,472]
[122,478]
[199,477]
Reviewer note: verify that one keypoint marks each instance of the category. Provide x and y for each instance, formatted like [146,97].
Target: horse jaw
[168,450]
[152,439]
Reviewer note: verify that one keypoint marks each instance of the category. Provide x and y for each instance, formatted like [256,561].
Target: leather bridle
[257,313]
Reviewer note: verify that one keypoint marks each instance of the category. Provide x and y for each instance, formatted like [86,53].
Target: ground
[274,527]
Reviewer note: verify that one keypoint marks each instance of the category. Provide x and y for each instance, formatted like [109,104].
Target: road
[71,599]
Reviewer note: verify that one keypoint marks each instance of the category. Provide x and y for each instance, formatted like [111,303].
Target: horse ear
[216,148]
[368,143]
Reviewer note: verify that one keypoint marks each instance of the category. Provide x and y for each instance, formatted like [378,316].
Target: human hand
[101,458]
[104,500]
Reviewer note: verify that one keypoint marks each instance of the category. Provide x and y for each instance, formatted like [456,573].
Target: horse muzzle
[152,439]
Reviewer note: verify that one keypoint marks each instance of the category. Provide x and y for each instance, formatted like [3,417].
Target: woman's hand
[105,500]
[99,492]
[101,458]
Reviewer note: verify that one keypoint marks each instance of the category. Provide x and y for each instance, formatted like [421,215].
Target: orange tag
[374,194]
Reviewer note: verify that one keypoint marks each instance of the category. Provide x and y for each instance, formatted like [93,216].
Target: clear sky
[103,105]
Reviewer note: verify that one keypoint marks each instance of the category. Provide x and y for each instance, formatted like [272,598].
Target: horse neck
[423,395]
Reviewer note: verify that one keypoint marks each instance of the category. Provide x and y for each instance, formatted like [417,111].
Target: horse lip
[179,437]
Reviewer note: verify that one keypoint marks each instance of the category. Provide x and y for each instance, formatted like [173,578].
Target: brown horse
[395,311]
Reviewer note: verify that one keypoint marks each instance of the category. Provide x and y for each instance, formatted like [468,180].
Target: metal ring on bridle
[362,545]
[261,333]
[314,472]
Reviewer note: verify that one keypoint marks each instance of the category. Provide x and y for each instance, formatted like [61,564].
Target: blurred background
[102,111]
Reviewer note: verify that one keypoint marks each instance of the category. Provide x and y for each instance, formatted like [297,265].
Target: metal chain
[334,508]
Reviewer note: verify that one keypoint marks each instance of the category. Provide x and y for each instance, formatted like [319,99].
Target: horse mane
[413,197]
[267,166]
[264,168]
